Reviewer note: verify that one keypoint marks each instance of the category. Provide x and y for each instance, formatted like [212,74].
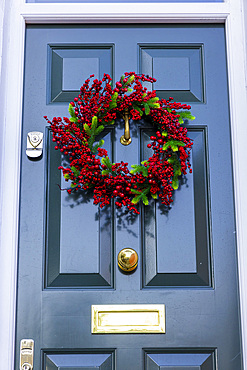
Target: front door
[68,248]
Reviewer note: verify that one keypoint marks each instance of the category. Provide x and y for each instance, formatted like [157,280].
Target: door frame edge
[12,80]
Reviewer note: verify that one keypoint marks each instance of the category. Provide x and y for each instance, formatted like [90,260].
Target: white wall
[2,40]
[2,6]
[11,67]
[245,25]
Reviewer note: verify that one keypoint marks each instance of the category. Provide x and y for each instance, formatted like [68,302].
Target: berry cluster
[97,106]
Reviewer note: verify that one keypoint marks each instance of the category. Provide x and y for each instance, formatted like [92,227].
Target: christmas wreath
[98,105]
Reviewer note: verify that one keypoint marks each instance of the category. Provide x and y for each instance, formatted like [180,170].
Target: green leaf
[185,115]
[96,146]
[73,185]
[153,100]
[106,161]
[66,176]
[137,168]
[87,129]
[105,172]
[145,200]
[135,191]
[179,143]
[173,159]
[130,80]
[175,162]
[154,105]
[176,170]
[164,133]
[174,144]
[138,109]
[140,195]
[99,129]
[113,102]
[75,171]
[73,119]
[91,141]
[154,196]
[130,90]
[166,145]
[175,183]
[71,110]
[147,109]
[94,123]
[144,95]
[136,199]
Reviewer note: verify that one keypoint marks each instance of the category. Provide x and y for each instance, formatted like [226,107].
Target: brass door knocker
[126,139]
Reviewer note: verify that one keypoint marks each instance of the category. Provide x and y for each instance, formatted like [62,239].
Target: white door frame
[12,26]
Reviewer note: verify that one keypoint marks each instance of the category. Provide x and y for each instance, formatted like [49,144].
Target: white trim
[11,88]
[112,12]
[16,14]
[238,104]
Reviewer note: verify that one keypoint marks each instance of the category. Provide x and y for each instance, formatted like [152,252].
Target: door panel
[85,361]
[68,248]
[180,361]
[179,67]
[81,261]
[165,262]
[83,60]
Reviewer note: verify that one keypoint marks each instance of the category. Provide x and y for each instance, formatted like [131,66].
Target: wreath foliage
[98,105]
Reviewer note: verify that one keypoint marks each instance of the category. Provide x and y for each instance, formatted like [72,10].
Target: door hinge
[26,354]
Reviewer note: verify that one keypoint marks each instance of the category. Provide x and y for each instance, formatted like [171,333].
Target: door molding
[16,14]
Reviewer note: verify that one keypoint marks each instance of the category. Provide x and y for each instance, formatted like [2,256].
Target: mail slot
[129,319]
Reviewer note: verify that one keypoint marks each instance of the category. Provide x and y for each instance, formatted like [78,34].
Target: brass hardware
[26,354]
[126,139]
[127,318]
[34,144]
[127,259]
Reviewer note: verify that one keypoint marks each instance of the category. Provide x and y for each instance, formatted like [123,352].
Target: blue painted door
[68,249]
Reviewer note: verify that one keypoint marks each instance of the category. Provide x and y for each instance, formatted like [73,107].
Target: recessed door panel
[179,67]
[70,65]
[176,241]
[79,361]
[180,360]
[81,261]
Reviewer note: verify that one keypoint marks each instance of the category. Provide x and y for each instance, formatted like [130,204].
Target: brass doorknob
[127,259]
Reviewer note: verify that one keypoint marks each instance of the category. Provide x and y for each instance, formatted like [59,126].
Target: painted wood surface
[201,316]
